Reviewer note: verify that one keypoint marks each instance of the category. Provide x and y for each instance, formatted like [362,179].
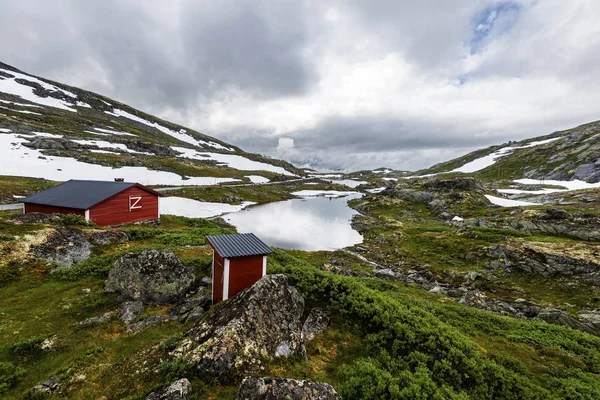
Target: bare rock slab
[316,322]
[243,333]
[178,390]
[152,277]
[290,389]
[64,247]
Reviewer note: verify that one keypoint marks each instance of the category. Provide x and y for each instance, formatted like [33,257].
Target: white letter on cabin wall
[264,265]
[226,280]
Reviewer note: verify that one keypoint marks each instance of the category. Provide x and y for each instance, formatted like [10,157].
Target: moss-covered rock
[151,277]
[242,334]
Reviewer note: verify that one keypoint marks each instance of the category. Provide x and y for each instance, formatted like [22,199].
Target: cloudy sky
[333,84]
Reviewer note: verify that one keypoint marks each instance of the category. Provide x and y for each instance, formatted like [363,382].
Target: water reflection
[315,223]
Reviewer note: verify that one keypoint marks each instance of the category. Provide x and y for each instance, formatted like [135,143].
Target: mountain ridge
[64,121]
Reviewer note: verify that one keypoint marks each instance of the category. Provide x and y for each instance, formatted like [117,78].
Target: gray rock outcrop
[241,334]
[47,388]
[109,237]
[130,310]
[64,247]
[178,390]
[152,277]
[290,389]
[412,195]
[316,322]
[36,218]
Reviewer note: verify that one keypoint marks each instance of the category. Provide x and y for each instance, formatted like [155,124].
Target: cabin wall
[116,210]
[244,272]
[30,208]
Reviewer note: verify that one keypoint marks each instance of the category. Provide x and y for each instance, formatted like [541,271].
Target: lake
[314,223]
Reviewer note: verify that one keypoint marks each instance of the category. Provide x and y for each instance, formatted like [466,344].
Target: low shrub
[73,220]
[414,355]
[28,346]
[10,375]
[142,233]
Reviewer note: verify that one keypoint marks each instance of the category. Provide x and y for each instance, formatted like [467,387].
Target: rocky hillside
[565,155]
[57,132]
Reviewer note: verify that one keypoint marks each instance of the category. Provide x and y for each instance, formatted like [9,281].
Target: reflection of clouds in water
[314,224]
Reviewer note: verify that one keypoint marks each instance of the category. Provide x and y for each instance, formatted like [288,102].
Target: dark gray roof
[239,245]
[76,194]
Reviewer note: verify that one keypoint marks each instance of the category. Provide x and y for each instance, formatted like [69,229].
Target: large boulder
[466,184]
[178,390]
[412,195]
[63,247]
[241,334]
[290,389]
[153,277]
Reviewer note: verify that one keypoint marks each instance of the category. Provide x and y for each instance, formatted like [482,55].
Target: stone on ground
[178,390]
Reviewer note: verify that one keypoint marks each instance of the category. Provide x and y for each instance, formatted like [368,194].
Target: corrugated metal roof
[239,245]
[78,194]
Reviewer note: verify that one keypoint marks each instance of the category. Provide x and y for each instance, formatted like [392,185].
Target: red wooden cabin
[239,261]
[105,203]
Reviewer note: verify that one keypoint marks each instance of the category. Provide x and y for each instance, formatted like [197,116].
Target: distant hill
[58,132]
[565,155]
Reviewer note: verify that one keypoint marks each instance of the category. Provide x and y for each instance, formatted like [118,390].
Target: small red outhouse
[239,261]
[103,202]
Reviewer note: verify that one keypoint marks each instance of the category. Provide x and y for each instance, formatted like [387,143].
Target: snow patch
[326,176]
[181,134]
[486,161]
[257,179]
[108,145]
[18,160]
[20,111]
[115,132]
[570,185]
[499,201]
[11,86]
[324,193]
[348,182]
[18,104]
[376,190]
[5,130]
[103,151]
[197,209]
[231,160]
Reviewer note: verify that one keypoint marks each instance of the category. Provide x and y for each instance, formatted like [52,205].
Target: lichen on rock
[241,334]
[153,277]
[253,388]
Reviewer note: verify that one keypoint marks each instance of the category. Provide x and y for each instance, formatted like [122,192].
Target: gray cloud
[355,84]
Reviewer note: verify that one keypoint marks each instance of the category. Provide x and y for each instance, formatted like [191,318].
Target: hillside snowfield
[11,86]
[19,160]
[179,135]
[486,161]
[231,160]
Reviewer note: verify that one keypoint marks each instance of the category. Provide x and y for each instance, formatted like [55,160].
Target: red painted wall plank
[243,273]
[115,210]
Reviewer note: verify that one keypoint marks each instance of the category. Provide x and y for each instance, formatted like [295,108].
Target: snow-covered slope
[53,131]
[568,155]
